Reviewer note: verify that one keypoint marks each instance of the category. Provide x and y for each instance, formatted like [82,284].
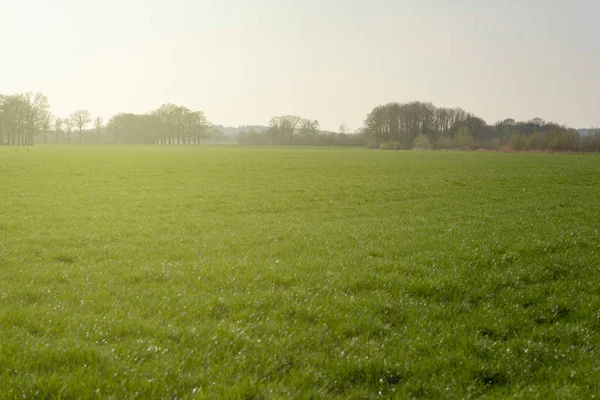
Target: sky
[242,62]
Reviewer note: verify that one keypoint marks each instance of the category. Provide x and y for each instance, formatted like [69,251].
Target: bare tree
[69,125]
[290,123]
[58,125]
[1,122]
[284,127]
[12,121]
[309,128]
[37,111]
[80,119]
[46,126]
[98,127]
[23,115]
[274,130]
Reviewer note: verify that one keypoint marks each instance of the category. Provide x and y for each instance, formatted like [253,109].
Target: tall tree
[172,118]
[98,126]
[46,126]
[309,128]
[197,126]
[13,118]
[36,113]
[80,119]
[69,128]
[282,128]
[58,125]
[1,122]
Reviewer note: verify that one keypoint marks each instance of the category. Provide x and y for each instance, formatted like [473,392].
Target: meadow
[250,273]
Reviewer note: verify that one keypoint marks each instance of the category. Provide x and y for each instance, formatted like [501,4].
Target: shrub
[537,141]
[422,142]
[463,140]
[517,142]
[562,140]
[444,143]
[390,146]
[495,144]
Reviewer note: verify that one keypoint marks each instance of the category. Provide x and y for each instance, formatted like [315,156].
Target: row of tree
[169,124]
[422,125]
[25,117]
[293,130]
[22,116]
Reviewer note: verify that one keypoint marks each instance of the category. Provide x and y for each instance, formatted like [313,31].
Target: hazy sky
[244,61]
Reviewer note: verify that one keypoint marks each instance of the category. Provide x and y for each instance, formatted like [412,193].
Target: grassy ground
[298,273]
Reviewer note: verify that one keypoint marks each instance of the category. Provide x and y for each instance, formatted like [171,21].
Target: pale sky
[242,62]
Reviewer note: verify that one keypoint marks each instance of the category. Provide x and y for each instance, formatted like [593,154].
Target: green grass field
[165,272]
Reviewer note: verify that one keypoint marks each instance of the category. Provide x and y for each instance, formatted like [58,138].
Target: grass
[147,272]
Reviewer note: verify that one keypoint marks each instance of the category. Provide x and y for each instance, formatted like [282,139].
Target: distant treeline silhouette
[422,125]
[26,119]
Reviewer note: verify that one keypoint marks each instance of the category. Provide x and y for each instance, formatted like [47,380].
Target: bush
[464,140]
[390,146]
[517,142]
[495,144]
[590,143]
[562,140]
[537,141]
[422,142]
[444,143]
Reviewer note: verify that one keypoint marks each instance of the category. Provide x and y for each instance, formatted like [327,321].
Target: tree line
[25,118]
[292,130]
[28,115]
[22,116]
[425,126]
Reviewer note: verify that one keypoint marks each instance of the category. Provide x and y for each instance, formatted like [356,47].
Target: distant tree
[98,127]
[174,119]
[537,141]
[463,140]
[23,115]
[291,123]
[68,122]
[422,142]
[376,127]
[1,126]
[80,119]
[196,126]
[46,126]
[275,130]
[309,128]
[517,142]
[181,125]
[282,128]
[217,135]
[563,139]
[538,122]
[58,125]
[37,112]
